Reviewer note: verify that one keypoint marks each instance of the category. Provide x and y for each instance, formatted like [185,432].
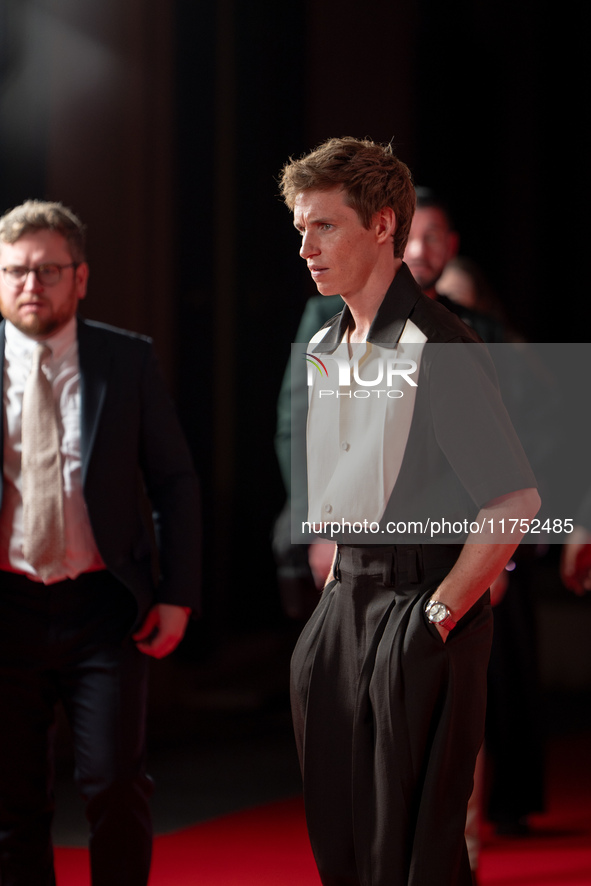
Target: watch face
[438,612]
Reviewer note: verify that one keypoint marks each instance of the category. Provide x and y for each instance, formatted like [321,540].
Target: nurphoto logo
[383,370]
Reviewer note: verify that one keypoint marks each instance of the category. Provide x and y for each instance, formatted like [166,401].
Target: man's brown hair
[370,174]
[40,215]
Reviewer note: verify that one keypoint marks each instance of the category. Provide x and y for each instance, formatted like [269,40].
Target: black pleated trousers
[389,720]
[71,642]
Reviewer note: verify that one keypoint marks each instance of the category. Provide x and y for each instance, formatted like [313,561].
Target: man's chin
[325,289]
[35,326]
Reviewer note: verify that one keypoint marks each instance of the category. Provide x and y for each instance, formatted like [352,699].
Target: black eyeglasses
[47,275]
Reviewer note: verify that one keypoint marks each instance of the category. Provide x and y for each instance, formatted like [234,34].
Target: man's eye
[326,227]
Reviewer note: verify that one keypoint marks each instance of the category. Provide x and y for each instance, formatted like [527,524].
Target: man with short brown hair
[389,674]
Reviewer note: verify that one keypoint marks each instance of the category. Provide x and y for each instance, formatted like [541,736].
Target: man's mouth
[31,305]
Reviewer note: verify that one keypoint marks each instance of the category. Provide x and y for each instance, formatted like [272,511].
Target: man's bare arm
[485,555]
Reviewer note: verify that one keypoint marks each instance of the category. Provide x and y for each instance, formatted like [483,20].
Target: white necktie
[43,506]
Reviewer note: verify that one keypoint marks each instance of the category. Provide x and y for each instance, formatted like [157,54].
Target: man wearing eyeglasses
[86,418]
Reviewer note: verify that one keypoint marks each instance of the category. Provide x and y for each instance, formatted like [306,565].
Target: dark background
[164,126]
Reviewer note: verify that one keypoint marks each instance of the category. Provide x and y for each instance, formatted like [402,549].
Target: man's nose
[308,247]
[31,282]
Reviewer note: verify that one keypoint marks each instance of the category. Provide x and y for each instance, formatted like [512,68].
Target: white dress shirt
[63,372]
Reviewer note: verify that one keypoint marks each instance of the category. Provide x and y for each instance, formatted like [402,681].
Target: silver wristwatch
[438,614]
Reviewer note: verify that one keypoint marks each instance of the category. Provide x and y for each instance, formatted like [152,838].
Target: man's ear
[384,224]
[81,279]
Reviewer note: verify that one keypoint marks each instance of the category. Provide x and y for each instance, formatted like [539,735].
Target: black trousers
[70,642]
[389,720]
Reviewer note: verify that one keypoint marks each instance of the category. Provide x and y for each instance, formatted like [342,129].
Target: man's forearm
[484,556]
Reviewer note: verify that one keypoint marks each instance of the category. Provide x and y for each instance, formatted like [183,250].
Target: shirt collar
[389,321]
[23,345]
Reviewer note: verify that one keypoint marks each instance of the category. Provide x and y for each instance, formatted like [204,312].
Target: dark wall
[86,98]
[499,129]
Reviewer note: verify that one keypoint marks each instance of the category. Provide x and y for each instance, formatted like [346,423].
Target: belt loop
[336,569]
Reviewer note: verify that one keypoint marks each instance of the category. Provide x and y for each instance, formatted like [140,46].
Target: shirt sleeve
[472,425]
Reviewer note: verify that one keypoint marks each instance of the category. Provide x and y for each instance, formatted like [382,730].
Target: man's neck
[59,341]
[364,306]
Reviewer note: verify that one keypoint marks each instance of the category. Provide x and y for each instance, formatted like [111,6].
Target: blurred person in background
[91,446]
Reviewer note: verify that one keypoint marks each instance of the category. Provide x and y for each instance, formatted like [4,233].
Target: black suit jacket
[132,446]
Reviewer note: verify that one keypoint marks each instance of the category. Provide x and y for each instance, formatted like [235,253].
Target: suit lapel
[94,361]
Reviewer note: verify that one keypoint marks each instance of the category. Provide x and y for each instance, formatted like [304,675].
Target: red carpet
[559,851]
[268,846]
[261,847]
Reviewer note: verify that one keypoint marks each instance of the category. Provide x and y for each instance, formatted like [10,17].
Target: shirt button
[328,509]
[345,446]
